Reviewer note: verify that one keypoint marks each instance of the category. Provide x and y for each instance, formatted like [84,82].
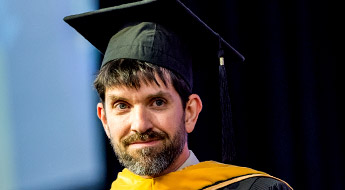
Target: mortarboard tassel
[228,148]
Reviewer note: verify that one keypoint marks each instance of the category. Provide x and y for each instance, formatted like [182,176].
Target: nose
[140,120]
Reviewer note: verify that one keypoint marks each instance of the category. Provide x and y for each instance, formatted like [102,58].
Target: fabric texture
[258,183]
[150,42]
[205,175]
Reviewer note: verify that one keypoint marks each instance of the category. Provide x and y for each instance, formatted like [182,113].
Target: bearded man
[147,103]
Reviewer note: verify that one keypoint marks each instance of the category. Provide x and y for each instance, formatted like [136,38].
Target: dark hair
[131,73]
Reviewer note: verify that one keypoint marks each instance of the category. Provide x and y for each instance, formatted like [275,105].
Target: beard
[150,161]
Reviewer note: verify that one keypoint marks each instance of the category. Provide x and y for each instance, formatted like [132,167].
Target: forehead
[146,88]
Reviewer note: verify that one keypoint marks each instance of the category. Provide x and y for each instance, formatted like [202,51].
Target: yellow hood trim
[196,176]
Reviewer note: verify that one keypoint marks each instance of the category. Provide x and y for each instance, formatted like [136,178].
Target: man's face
[145,126]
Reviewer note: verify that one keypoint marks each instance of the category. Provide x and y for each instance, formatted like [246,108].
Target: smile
[142,144]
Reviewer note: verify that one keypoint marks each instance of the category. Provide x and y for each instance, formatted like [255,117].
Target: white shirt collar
[192,160]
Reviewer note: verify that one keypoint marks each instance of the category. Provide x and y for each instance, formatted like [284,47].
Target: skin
[151,107]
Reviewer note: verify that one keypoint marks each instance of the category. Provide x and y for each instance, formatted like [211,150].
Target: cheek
[169,122]
[117,128]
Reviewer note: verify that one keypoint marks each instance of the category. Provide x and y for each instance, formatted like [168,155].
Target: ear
[192,110]
[102,116]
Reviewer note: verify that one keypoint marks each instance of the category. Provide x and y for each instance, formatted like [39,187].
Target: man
[147,103]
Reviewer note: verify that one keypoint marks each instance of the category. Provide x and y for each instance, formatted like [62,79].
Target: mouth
[143,144]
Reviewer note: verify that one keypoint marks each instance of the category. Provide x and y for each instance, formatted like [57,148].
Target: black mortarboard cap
[162,32]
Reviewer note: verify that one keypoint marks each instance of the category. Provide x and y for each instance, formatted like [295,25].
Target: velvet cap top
[161,32]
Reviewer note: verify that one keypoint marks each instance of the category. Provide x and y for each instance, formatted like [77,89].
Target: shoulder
[258,183]
[236,177]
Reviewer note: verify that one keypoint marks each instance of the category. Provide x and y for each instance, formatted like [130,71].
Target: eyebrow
[114,97]
[150,96]
[159,94]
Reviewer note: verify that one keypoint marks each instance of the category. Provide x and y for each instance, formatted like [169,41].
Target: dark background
[284,98]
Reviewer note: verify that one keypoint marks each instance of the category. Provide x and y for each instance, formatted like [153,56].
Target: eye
[158,102]
[121,106]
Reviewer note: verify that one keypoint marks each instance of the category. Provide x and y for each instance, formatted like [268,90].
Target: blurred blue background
[48,138]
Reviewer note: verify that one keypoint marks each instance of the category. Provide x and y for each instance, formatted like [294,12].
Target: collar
[192,160]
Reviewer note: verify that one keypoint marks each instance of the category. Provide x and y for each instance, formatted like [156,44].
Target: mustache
[146,136]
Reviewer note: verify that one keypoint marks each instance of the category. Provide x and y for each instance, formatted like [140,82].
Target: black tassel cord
[228,148]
